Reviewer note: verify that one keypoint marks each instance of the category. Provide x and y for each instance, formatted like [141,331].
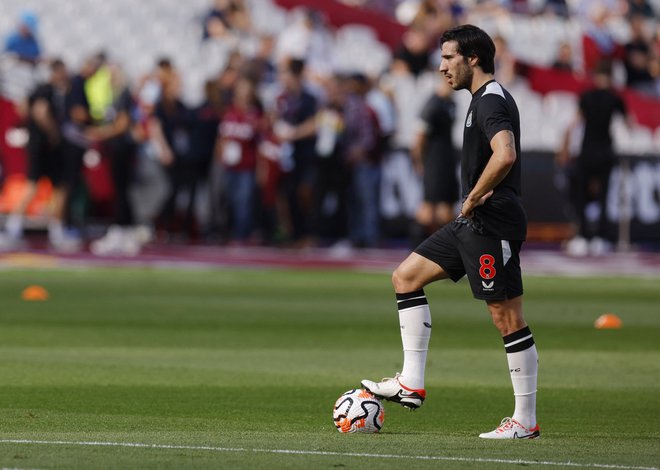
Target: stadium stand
[135,34]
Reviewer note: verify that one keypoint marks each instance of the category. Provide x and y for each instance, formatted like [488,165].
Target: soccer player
[483,242]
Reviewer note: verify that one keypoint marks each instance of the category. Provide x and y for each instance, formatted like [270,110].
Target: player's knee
[402,281]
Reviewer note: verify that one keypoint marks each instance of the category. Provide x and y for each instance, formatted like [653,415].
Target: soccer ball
[358,410]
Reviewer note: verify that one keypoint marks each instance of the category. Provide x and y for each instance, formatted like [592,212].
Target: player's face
[455,67]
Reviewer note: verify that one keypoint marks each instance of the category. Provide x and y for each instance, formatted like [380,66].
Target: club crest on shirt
[468,121]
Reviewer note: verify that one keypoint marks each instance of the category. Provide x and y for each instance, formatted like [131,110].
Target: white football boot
[511,429]
[393,390]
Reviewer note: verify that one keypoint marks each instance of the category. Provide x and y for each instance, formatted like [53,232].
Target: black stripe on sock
[410,295]
[521,333]
[403,304]
[528,343]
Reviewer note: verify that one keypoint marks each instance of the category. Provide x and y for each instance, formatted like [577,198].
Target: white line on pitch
[325,453]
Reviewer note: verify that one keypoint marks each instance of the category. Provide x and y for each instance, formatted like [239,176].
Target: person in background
[174,119]
[295,108]
[361,138]
[205,119]
[23,42]
[330,220]
[413,55]
[641,7]
[47,111]
[238,140]
[224,18]
[113,136]
[637,57]
[505,61]
[564,59]
[595,160]
[434,158]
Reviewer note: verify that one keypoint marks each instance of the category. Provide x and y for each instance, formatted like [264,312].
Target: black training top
[598,107]
[492,110]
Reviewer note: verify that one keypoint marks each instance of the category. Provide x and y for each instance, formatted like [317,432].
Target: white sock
[415,321]
[14,226]
[523,366]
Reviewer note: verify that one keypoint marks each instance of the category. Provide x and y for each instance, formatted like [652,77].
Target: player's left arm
[504,156]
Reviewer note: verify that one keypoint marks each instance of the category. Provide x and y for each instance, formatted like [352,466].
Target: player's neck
[479,79]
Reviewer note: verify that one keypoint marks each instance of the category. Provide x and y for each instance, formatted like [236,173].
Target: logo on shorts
[468,123]
[488,286]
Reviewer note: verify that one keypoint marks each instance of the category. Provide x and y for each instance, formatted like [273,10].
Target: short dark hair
[56,64]
[164,63]
[473,41]
[296,67]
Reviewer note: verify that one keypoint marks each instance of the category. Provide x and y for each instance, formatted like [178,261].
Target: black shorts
[44,159]
[492,266]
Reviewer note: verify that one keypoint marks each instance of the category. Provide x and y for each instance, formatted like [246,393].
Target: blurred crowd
[283,149]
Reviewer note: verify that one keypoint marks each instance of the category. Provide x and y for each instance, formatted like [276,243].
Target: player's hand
[467,210]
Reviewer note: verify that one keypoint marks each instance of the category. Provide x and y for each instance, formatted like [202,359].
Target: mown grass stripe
[325,453]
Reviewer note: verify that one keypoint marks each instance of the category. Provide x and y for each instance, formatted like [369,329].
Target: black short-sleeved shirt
[492,110]
[597,108]
[440,180]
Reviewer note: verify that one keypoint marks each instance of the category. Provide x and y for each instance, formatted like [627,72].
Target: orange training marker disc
[34,293]
[608,321]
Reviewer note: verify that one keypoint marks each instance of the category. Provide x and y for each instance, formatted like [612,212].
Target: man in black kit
[591,174]
[483,242]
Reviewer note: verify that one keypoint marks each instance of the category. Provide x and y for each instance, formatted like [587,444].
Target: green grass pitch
[218,369]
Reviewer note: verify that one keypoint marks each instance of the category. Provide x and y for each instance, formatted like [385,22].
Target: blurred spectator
[505,61]
[225,17]
[47,111]
[641,7]
[113,136]
[99,87]
[296,107]
[153,155]
[598,42]
[269,175]
[238,140]
[637,57]
[24,42]
[363,156]
[381,103]
[205,119]
[229,76]
[76,145]
[435,159]
[595,160]
[564,59]
[57,119]
[330,218]
[433,17]
[557,7]
[566,178]
[414,54]
[174,120]
[307,39]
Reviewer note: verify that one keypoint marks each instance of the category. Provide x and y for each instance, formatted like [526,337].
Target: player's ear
[473,60]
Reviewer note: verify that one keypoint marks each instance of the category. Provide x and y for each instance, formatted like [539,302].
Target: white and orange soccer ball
[358,411]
